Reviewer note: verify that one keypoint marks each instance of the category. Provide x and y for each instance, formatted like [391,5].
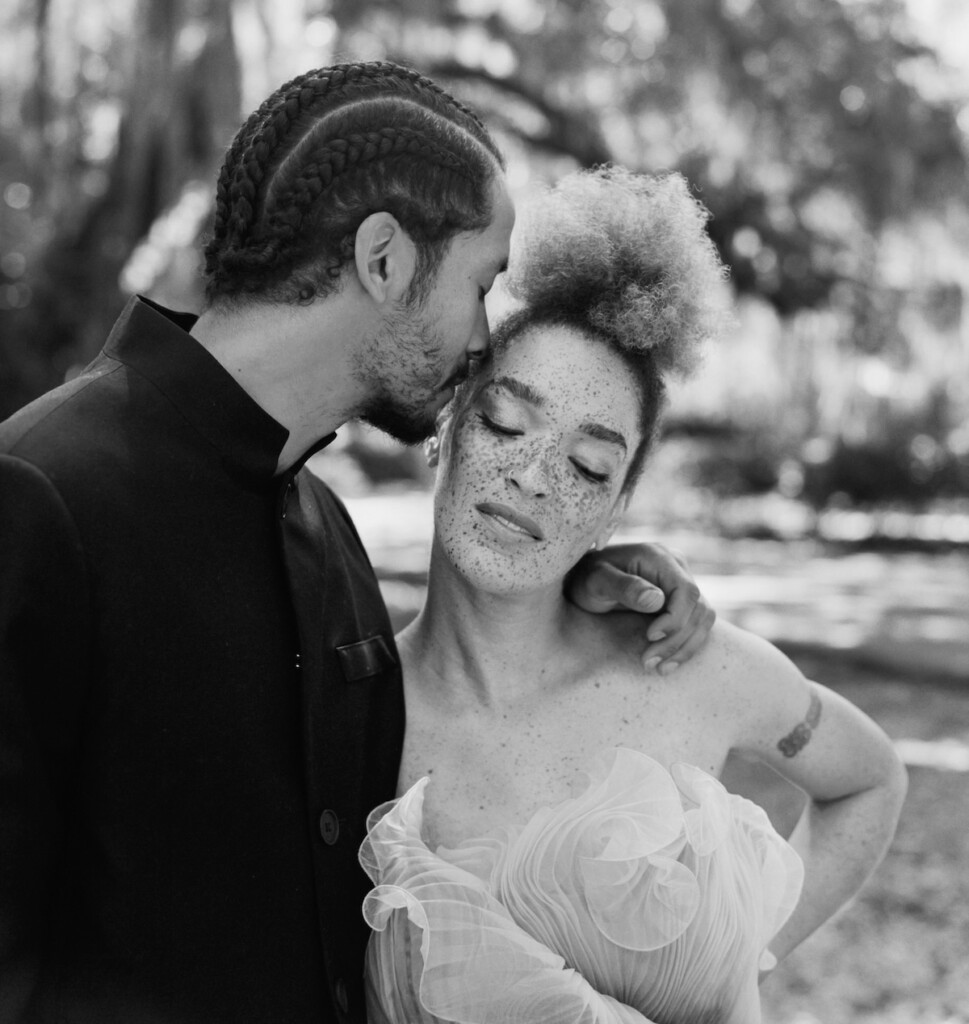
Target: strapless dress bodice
[651,895]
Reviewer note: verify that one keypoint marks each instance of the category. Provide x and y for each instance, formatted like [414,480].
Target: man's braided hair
[324,152]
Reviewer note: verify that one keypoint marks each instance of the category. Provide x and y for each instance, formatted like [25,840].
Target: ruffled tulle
[649,897]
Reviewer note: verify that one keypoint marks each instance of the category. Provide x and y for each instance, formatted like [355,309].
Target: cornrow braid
[325,84]
[325,151]
[282,108]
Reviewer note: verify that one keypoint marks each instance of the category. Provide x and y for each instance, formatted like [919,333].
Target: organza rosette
[649,896]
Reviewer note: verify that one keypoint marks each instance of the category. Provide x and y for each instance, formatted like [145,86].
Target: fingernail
[668,668]
[656,636]
[651,664]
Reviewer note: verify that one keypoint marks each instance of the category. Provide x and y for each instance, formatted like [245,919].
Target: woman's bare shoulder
[729,648]
[732,673]
[736,653]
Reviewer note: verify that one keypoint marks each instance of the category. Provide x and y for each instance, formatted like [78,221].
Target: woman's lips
[512,520]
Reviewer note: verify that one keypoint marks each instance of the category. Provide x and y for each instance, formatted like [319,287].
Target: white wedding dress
[648,897]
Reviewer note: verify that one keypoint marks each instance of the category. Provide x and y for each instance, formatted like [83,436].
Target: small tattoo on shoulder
[799,737]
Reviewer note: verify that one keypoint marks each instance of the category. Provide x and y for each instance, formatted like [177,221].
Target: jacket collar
[155,341]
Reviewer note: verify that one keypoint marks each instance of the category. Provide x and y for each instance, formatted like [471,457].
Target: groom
[200,698]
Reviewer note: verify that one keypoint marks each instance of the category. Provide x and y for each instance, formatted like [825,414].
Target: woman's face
[531,470]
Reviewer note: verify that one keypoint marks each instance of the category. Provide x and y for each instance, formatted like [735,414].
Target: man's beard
[402,370]
[402,424]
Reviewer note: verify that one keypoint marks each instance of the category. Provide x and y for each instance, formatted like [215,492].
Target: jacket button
[340,993]
[329,827]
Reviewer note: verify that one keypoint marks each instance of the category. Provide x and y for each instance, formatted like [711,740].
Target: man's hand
[647,578]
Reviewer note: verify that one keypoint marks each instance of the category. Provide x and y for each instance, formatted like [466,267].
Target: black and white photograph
[484,512]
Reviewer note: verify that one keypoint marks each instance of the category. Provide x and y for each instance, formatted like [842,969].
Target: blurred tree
[802,124]
[814,130]
[810,128]
[125,108]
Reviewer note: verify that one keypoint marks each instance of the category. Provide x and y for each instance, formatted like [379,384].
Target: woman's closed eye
[505,430]
[590,474]
[499,428]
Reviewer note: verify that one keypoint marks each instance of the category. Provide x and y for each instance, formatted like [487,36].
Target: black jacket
[200,701]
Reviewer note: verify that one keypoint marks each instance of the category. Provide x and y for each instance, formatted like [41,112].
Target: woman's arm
[847,766]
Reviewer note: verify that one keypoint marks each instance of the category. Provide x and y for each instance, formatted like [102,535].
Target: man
[200,698]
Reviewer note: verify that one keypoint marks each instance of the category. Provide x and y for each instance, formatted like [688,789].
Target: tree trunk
[180,109]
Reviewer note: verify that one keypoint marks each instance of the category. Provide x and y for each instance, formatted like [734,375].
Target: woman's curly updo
[624,258]
[324,152]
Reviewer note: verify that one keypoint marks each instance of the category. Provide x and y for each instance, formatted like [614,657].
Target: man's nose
[480,337]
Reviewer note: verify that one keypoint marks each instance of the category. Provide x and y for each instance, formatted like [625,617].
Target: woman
[563,851]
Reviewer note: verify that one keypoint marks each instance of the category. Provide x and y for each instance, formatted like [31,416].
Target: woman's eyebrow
[520,390]
[601,433]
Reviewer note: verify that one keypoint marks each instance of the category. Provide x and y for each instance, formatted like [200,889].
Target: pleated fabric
[650,897]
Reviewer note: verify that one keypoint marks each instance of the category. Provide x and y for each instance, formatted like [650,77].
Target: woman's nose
[531,477]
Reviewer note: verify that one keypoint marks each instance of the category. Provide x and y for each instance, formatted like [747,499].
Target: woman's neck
[487,648]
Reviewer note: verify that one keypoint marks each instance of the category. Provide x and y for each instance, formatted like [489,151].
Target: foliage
[822,135]
[915,456]
[122,106]
[904,465]
[802,124]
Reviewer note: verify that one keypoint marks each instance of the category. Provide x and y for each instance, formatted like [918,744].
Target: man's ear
[385,258]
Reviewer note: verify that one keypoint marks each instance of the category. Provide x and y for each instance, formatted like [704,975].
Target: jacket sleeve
[45,633]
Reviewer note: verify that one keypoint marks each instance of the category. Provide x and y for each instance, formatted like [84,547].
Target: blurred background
[815,474]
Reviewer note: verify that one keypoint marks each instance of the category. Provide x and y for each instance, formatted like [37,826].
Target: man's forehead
[502,215]
[488,248]
[487,251]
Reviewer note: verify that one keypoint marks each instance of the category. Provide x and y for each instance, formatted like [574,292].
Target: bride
[563,850]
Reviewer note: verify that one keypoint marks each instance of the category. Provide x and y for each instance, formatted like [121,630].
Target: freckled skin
[537,472]
[493,767]
[503,760]
[511,691]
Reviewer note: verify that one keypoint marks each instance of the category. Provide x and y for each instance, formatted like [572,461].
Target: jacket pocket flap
[366,658]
